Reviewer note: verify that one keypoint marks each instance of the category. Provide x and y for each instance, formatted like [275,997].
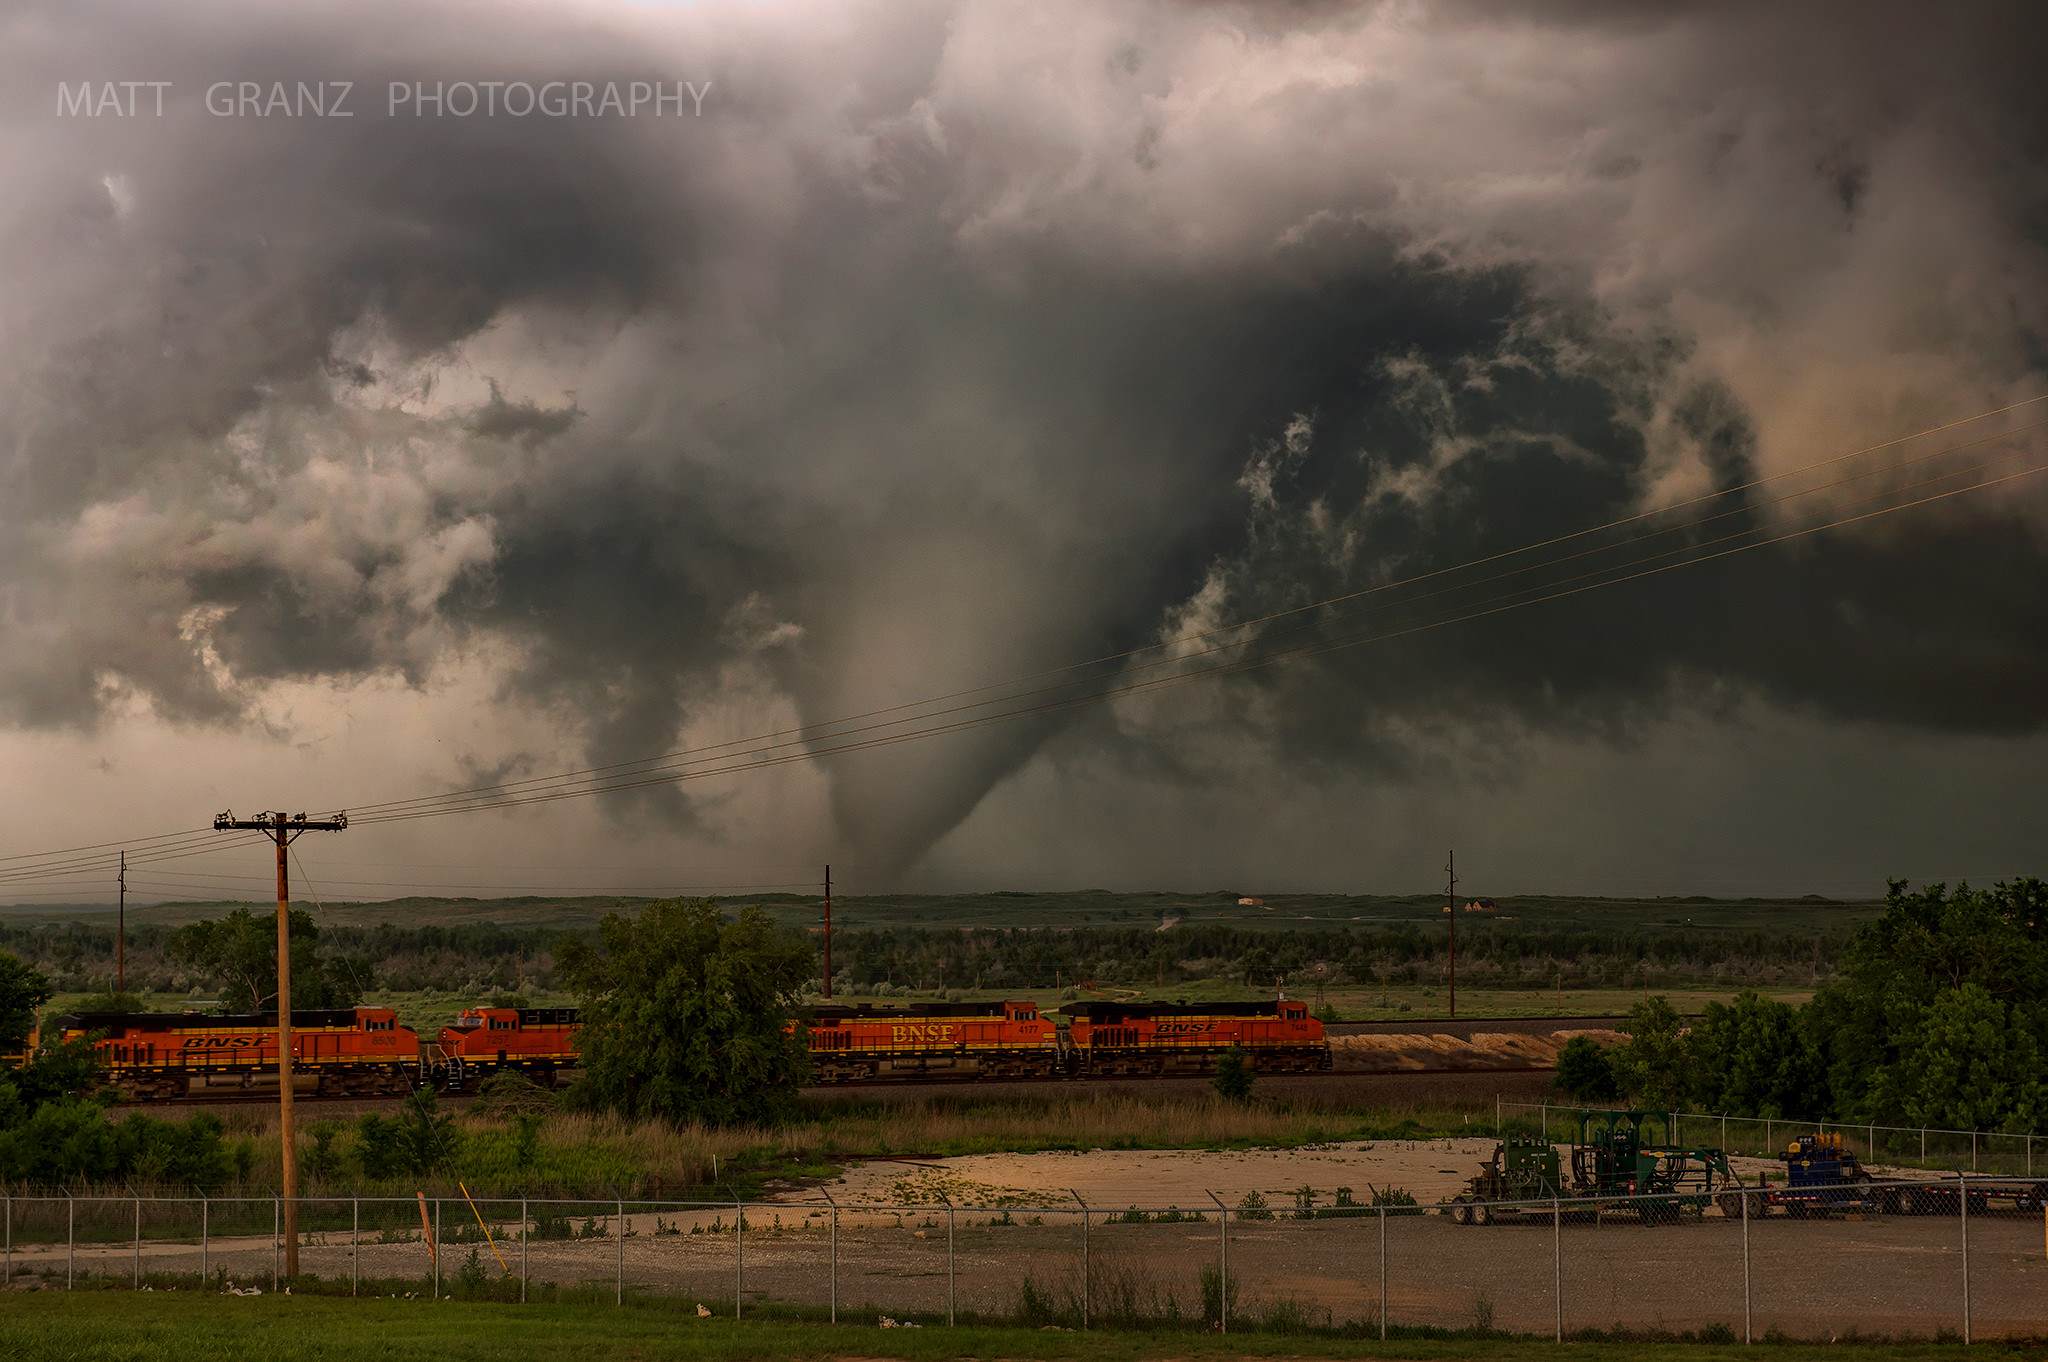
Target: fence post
[1768,1147]
[739,1245]
[619,1293]
[138,1240]
[1546,1135]
[1873,1142]
[1383,1274]
[951,1280]
[437,1248]
[70,1237]
[1923,1144]
[1973,1151]
[1087,1276]
[525,1237]
[276,1235]
[1496,1116]
[1743,1195]
[1963,1210]
[355,1246]
[8,1279]
[205,1217]
[1557,1260]
[1222,1262]
[1724,1133]
[835,1252]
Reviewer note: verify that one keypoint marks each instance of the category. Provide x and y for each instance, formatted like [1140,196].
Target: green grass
[102,1327]
[1081,908]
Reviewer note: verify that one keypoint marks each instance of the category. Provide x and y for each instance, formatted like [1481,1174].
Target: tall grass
[581,1154]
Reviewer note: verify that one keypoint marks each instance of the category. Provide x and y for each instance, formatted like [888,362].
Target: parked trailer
[1611,1159]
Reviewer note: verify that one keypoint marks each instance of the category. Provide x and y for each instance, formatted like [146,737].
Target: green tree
[1752,1057]
[1654,1066]
[686,1014]
[1585,1073]
[1966,1066]
[238,954]
[1939,966]
[23,989]
[1234,1074]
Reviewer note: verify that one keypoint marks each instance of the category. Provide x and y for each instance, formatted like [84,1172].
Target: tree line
[1937,1015]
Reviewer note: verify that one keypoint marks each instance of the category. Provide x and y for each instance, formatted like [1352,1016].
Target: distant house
[1251,903]
[1481,906]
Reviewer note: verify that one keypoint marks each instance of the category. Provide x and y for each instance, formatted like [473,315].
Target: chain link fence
[1977,1151]
[1957,1256]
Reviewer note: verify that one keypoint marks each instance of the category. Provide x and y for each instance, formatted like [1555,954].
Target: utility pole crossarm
[272,822]
[283,829]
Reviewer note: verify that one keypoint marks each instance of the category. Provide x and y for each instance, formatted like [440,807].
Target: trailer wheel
[1461,1211]
[1480,1214]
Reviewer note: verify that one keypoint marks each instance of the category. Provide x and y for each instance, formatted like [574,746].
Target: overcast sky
[401,397]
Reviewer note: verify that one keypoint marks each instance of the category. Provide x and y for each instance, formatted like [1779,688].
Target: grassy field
[582,1154]
[94,1327]
[1088,908]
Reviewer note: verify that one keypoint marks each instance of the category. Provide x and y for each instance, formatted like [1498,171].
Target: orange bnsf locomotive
[365,1052]
[534,1041]
[951,1040]
[360,1051]
[1129,1039]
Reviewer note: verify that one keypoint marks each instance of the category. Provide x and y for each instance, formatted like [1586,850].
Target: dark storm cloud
[948,344]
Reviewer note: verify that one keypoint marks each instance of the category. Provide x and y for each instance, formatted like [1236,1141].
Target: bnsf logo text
[925,1033]
[1186,1028]
[220,1042]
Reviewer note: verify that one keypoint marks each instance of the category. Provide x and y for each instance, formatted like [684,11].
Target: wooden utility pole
[284,831]
[828,933]
[121,934]
[1451,907]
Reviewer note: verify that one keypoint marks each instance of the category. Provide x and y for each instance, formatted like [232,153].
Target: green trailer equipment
[1616,1155]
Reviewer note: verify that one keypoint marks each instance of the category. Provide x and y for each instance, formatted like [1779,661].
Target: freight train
[364,1051]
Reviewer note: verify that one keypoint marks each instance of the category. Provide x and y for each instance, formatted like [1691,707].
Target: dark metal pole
[1383,1274]
[1087,1274]
[1451,907]
[835,1252]
[355,1247]
[1963,1207]
[828,933]
[1744,1197]
[1557,1261]
[1222,1262]
[121,934]
[525,1237]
